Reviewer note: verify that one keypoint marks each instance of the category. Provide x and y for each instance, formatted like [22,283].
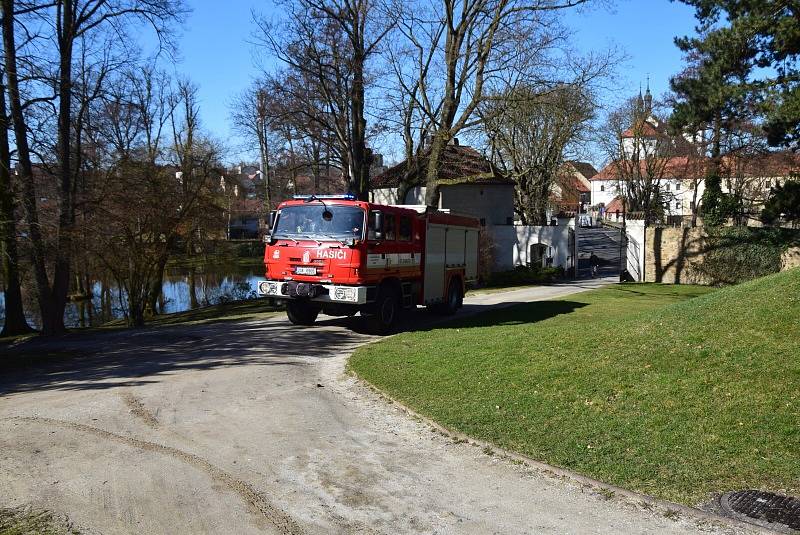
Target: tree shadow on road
[131,357]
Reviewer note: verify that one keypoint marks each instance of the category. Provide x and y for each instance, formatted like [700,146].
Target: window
[389,227]
[405,228]
[667,186]
[483,221]
[602,187]
[677,205]
[677,186]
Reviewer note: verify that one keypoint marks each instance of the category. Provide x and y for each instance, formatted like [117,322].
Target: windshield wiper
[343,241]
[286,236]
[310,237]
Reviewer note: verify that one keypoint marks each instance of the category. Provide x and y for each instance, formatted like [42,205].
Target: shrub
[739,254]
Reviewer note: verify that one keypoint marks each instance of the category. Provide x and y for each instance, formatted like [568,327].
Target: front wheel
[385,312]
[301,312]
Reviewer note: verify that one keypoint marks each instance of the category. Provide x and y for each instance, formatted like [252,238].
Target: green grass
[668,390]
[27,521]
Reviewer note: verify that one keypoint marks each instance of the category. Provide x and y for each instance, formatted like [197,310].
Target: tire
[385,312]
[301,312]
[454,299]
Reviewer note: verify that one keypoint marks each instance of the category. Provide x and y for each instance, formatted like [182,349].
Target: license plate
[302,270]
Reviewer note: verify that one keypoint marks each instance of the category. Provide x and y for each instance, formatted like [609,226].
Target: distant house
[468,184]
[681,176]
[572,189]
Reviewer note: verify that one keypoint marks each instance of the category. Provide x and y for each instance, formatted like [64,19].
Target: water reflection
[183,289]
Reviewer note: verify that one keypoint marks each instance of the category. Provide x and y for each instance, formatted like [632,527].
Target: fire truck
[339,256]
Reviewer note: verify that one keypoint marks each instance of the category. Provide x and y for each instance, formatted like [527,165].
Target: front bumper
[323,293]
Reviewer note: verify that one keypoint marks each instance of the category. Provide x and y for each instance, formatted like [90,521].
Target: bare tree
[329,44]
[528,137]
[642,156]
[15,322]
[473,40]
[71,21]
[160,190]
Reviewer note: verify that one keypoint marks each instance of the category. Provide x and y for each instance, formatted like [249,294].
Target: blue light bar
[345,197]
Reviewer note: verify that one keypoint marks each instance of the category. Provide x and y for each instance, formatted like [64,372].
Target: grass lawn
[674,391]
[32,522]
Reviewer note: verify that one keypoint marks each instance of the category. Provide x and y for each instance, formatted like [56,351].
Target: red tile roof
[584,168]
[643,129]
[674,167]
[459,164]
[773,164]
[616,205]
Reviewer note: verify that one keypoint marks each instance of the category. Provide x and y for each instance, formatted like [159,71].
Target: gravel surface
[253,427]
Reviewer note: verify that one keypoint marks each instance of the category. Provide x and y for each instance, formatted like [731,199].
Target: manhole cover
[763,507]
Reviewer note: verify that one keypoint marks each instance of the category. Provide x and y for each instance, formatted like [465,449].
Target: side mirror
[375,225]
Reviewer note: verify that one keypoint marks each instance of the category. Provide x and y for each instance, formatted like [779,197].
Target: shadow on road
[101,360]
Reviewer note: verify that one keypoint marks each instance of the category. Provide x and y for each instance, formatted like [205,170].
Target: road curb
[643,501]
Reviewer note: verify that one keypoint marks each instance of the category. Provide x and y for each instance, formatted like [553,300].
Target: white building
[469,184]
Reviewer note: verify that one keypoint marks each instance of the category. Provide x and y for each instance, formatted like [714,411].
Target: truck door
[435,253]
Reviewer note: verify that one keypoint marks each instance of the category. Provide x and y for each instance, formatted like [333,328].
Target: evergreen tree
[784,201]
[716,206]
[746,54]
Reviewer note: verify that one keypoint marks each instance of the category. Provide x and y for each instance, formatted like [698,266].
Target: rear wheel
[385,311]
[454,299]
[301,312]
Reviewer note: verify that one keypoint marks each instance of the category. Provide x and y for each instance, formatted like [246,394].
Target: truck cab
[341,256]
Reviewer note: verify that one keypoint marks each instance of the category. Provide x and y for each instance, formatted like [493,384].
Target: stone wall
[676,256]
[673,254]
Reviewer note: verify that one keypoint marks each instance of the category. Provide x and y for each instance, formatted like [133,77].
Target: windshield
[308,221]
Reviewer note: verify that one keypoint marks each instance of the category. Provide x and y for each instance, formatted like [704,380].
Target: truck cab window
[389,227]
[405,229]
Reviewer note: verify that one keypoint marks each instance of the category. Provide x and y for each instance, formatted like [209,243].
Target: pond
[212,285]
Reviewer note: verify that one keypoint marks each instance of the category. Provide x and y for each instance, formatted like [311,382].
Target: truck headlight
[267,288]
[345,294]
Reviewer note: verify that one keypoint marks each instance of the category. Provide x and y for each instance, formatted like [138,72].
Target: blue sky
[216,53]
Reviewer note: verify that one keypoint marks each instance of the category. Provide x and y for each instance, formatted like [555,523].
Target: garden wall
[716,256]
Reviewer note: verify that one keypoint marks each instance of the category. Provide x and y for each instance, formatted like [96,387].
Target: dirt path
[254,428]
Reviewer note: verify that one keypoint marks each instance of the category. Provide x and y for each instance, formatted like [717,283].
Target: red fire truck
[336,255]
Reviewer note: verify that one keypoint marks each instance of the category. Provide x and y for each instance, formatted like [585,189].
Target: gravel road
[253,427]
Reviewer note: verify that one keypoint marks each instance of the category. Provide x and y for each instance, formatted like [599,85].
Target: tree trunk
[438,145]
[359,176]
[25,170]
[61,273]
[15,322]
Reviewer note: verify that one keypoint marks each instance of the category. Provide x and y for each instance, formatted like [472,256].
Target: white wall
[384,196]
[635,256]
[603,191]
[491,203]
[512,244]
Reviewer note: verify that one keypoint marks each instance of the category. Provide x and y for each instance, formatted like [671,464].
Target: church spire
[648,99]
[640,102]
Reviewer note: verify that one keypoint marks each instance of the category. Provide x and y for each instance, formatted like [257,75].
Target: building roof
[616,205]
[645,129]
[681,167]
[460,164]
[584,168]
[772,164]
